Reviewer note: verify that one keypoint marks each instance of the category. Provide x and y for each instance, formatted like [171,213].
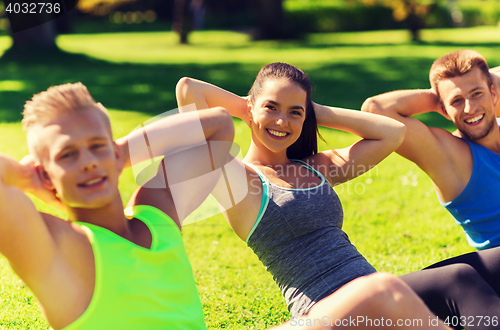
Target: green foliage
[480,12]
[359,15]
[391,213]
[332,16]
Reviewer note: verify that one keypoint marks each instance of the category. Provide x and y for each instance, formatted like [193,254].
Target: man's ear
[118,156]
[494,96]
[44,177]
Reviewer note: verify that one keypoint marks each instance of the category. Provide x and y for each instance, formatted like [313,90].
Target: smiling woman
[277,83]
[279,113]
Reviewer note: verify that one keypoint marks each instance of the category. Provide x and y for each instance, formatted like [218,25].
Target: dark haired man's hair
[457,64]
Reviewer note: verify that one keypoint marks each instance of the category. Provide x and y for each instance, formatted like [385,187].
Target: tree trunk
[415,25]
[182,21]
[41,36]
[271,20]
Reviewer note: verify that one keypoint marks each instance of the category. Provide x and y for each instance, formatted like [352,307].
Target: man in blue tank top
[464,166]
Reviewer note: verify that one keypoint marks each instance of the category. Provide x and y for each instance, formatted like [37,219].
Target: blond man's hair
[57,101]
[457,64]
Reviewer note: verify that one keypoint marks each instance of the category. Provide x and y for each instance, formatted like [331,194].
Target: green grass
[391,213]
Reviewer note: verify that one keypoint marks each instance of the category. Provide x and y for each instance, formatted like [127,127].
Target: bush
[480,13]
[334,16]
[341,17]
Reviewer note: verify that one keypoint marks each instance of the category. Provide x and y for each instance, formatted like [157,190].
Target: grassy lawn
[391,213]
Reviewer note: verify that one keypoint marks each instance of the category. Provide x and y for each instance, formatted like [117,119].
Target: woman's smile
[277,134]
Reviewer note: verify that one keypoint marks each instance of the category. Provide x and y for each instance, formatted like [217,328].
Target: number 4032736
[33,8]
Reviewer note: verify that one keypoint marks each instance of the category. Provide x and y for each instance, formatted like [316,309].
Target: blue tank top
[298,237]
[477,208]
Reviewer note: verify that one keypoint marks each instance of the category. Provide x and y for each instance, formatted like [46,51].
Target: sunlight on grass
[12,86]
[470,36]
[360,38]
[216,47]
[5,43]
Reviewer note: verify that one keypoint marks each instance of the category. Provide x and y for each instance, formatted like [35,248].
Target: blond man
[102,269]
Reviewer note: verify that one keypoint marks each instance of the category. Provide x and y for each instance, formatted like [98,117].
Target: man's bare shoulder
[449,139]
[440,132]
[453,170]
[72,245]
[64,232]
[65,287]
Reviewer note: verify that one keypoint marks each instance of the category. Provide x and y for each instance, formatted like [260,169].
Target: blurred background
[264,19]
[121,48]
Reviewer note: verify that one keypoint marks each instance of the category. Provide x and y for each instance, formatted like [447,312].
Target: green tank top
[139,288]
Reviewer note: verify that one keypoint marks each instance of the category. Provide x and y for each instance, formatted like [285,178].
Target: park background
[130,54]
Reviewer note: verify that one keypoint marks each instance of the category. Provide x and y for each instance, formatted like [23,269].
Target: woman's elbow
[182,88]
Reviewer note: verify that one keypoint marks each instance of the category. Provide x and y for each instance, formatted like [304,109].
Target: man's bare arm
[495,77]
[434,150]
[25,239]
[404,103]
[401,105]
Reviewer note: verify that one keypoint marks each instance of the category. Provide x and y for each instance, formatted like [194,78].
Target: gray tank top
[298,237]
